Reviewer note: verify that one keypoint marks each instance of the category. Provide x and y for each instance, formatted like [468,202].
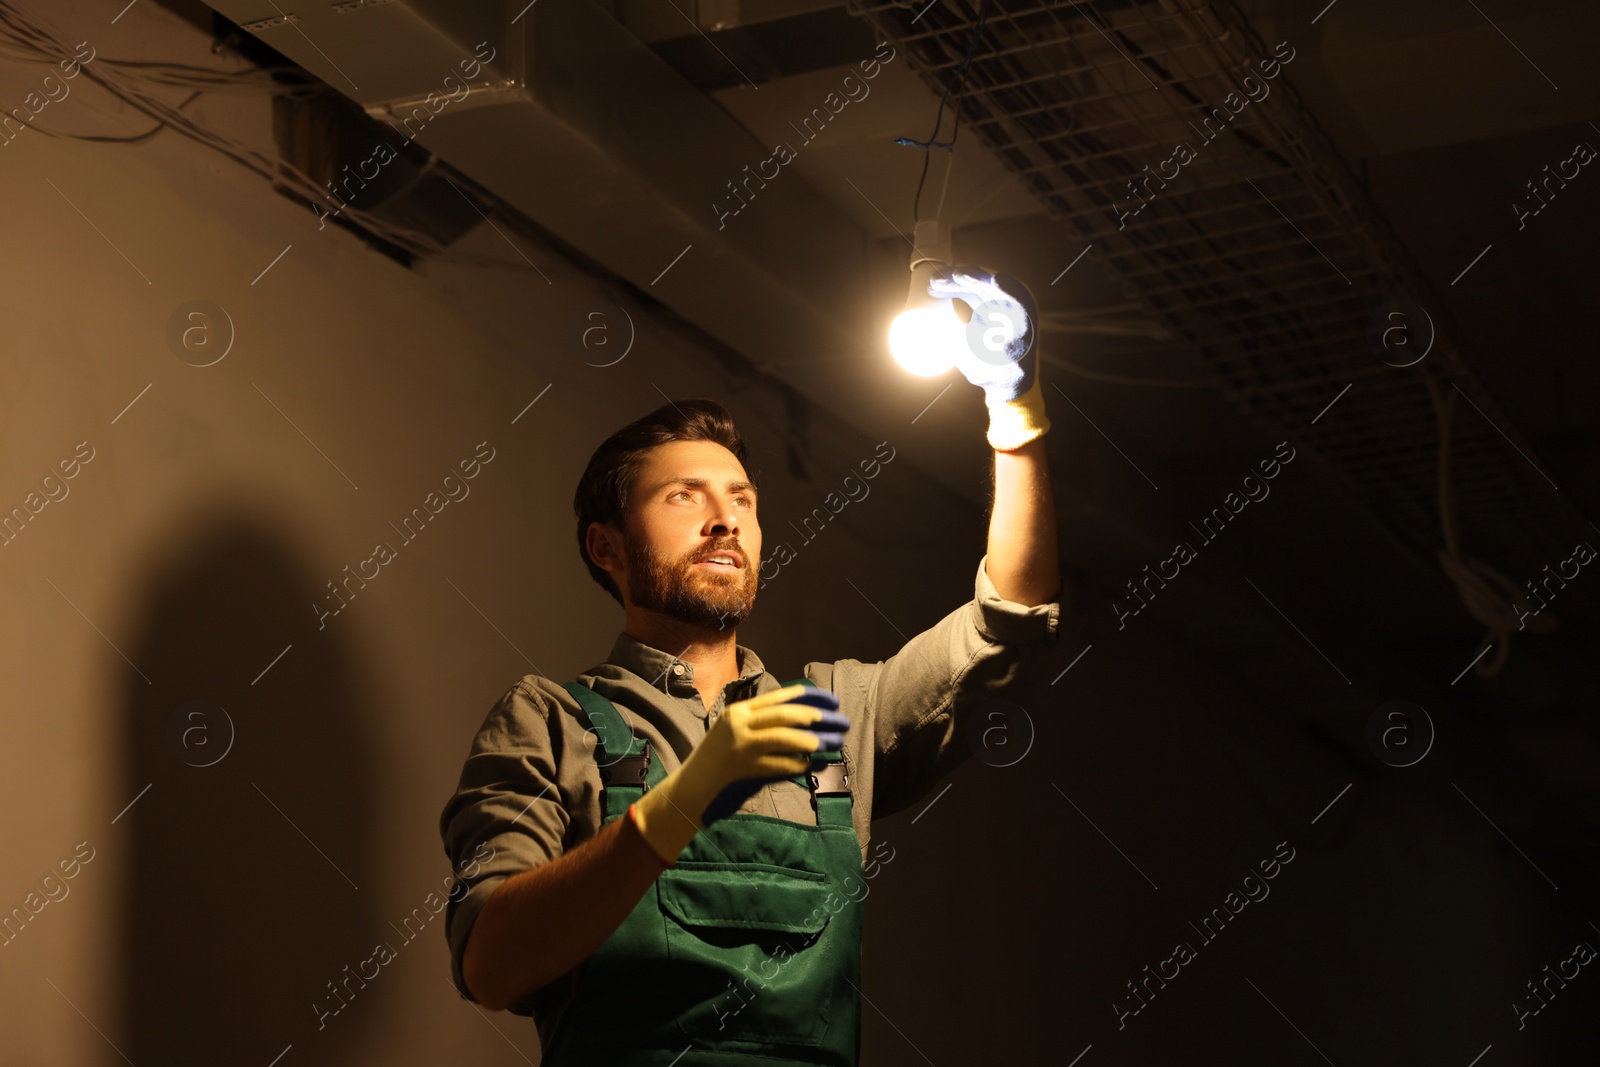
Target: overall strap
[829,785]
[624,760]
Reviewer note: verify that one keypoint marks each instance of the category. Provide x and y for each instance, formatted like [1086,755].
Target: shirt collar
[656,667]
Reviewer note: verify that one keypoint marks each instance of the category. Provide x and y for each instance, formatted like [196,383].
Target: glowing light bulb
[924,336]
[921,338]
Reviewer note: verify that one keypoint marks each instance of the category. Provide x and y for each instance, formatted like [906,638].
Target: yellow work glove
[763,739]
[1014,423]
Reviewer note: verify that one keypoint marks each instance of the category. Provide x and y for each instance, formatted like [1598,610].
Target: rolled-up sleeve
[923,700]
[507,814]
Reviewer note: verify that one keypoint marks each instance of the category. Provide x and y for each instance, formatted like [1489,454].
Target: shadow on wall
[242,903]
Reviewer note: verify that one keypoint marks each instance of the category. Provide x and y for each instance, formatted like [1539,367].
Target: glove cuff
[663,825]
[1014,423]
[633,817]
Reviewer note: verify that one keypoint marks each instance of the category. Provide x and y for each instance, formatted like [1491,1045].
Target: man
[677,840]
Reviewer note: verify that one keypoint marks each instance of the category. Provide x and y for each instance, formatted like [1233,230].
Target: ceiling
[1181,348]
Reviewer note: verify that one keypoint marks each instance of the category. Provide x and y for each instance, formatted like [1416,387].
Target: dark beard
[673,588]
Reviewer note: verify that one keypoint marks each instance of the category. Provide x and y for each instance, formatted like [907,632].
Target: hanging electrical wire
[30,43]
[1489,596]
[22,39]
[931,142]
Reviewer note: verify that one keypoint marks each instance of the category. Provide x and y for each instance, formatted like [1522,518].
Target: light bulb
[920,339]
[923,336]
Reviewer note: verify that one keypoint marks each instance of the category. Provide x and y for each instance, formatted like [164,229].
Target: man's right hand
[763,739]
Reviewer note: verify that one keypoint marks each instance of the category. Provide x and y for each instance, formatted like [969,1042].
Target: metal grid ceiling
[1264,250]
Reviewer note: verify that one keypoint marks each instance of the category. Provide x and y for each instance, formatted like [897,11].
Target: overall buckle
[829,781]
[628,770]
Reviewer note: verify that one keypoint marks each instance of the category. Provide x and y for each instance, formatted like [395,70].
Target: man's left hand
[998,350]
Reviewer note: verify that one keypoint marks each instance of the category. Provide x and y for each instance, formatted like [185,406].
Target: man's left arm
[1002,320]
[923,701]
[1022,561]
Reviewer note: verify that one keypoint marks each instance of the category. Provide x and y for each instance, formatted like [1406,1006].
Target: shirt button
[677,668]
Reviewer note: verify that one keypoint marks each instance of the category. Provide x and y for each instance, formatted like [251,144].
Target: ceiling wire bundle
[22,39]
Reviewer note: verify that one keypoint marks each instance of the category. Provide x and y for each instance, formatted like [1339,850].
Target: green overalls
[737,954]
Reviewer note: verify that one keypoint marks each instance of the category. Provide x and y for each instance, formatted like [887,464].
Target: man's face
[693,500]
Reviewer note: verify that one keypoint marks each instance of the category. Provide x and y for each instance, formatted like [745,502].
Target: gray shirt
[530,787]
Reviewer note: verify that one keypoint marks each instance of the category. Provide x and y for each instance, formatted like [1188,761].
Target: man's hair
[606,489]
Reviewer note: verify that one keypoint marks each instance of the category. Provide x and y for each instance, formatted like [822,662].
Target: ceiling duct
[764,39]
[360,163]
[1258,246]
[567,117]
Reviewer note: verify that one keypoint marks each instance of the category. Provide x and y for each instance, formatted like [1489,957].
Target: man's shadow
[251,878]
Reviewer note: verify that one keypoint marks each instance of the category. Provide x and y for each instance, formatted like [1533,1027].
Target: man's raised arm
[1022,561]
[1000,356]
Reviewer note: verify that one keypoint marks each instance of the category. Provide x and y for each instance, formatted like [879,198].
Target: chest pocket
[746,946]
